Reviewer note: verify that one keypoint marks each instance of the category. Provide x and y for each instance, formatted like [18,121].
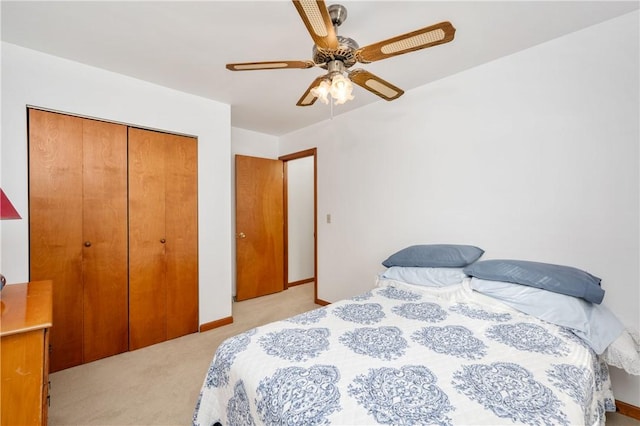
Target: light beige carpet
[159,385]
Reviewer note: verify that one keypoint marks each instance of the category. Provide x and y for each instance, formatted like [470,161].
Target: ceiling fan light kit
[337,54]
[335,84]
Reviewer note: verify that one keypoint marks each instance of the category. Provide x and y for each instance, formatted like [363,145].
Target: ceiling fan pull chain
[331,108]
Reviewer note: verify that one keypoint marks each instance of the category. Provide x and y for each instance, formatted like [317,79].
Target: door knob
[163,241]
[242,235]
[87,243]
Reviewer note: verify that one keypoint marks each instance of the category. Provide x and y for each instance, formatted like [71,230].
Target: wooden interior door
[259,227]
[55,226]
[181,224]
[147,238]
[105,257]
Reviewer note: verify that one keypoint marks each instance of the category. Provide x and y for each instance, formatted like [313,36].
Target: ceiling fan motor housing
[344,53]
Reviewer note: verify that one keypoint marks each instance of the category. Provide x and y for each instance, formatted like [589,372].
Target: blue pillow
[435,256]
[556,278]
[595,324]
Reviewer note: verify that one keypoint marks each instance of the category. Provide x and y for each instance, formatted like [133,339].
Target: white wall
[300,197]
[534,156]
[253,144]
[33,78]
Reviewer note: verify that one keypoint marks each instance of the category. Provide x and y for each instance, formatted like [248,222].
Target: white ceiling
[185,45]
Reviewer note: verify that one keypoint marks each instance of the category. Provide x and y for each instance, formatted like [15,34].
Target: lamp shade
[7,211]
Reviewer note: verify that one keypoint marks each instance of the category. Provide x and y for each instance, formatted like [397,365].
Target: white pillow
[430,277]
[594,323]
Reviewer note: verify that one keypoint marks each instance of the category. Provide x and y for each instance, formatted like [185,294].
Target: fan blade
[308,98]
[416,40]
[272,65]
[316,18]
[375,84]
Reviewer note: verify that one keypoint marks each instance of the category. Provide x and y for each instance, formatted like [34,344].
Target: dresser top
[26,307]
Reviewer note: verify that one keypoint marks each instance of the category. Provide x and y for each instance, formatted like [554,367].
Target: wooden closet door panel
[147,285]
[55,226]
[182,235]
[105,261]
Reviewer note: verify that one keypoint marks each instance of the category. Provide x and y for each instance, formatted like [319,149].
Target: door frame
[312,152]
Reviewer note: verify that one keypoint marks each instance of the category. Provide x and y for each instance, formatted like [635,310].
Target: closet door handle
[163,241]
[87,243]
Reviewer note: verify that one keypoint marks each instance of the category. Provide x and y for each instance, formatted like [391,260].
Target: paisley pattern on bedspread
[367,313]
[361,297]
[574,381]
[430,312]
[382,342]
[510,391]
[528,337]
[404,396]
[454,340]
[473,312]
[310,317]
[296,344]
[399,294]
[402,355]
[238,407]
[218,374]
[299,396]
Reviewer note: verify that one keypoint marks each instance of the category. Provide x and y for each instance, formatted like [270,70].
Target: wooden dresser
[24,352]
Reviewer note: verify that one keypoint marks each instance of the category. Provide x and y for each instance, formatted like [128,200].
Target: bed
[407,354]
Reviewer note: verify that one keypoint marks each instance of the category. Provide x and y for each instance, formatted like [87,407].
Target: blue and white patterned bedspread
[403,355]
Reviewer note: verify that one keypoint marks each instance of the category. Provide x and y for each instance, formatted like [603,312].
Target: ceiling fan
[337,54]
